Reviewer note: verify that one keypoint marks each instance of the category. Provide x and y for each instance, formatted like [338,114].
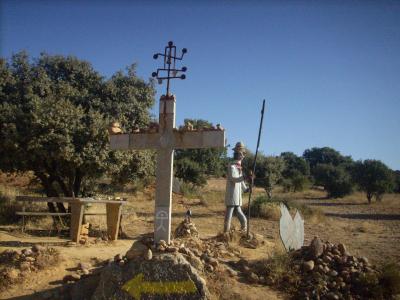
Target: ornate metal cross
[169,65]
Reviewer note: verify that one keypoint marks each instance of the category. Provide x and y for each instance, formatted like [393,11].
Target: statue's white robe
[234,185]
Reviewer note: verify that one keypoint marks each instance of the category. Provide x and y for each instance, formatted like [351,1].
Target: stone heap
[152,264]
[163,262]
[330,271]
[16,265]
[186,229]
[321,270]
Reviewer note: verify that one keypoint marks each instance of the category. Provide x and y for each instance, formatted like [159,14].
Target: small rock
[333,273]
[364,260]
[30,259]
[148,255]
[308,265]
[118,257]
[27,252]
[137,250]
[85,271]
[332,296]
[160,248]
[37,248]
[316,247]
[213,262]
[342,248]
[163,243]
[246,269]
[121,263]
[184,251]
[327,258]
[253,277]
[209,268]
[172,249]
[231,271]
[84,265]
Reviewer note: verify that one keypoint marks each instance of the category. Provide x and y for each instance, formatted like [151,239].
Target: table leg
[76,221]
[113,219]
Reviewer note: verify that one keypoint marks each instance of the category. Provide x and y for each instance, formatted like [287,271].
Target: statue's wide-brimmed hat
[239,147]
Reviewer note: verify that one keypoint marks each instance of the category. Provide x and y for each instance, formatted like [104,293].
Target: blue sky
[329,70]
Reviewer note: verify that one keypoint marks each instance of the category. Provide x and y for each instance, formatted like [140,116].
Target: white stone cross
[165,141]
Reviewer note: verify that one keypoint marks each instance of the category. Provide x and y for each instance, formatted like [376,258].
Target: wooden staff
[254,170]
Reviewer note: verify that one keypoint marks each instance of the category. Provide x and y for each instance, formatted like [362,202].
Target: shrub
[266,208]
[190,172]
[336,180]
[373,177]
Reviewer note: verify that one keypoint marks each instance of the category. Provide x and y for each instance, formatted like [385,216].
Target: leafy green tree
[190,171]
[54,114]
[296,172]
[336,180]
[396,176]
[193,165]
[373,177]
[268,170]
[325,155]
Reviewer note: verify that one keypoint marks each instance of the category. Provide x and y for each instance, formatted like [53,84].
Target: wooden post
[113,220]
[76,220]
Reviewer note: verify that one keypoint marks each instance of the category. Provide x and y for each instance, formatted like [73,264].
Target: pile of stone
[321,270]
[186,229]
[330,271]
[15,265]
[155,262]
[82,270]
[206,256]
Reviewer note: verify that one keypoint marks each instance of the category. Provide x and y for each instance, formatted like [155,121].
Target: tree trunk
[77,182]
[47,182]
[369,196]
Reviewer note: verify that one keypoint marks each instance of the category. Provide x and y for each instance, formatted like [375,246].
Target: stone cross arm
[164,138]
[177,139]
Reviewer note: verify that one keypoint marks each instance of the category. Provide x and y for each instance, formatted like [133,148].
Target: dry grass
[8,205]
[279,272]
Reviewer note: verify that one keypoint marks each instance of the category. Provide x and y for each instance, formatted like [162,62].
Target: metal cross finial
[169,64]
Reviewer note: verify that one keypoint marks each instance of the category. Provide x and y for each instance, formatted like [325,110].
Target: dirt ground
[367,230]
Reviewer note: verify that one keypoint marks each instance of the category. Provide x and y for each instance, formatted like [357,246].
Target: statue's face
[239,155]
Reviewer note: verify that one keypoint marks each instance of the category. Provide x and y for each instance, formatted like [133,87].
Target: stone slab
[151,279]
[199,139]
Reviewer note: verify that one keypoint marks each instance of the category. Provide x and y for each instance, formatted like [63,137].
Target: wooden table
[113,212]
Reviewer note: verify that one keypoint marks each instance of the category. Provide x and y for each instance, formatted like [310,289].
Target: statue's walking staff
[254,170]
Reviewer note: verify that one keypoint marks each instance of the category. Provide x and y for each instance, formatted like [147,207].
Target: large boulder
[165,276]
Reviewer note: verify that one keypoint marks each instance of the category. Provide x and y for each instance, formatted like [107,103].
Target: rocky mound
[186,229]
[140,274]
[330,271]
[16,265]
[321,270]
[183,260]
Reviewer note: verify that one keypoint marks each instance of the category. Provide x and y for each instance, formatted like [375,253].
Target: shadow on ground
[385,217]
